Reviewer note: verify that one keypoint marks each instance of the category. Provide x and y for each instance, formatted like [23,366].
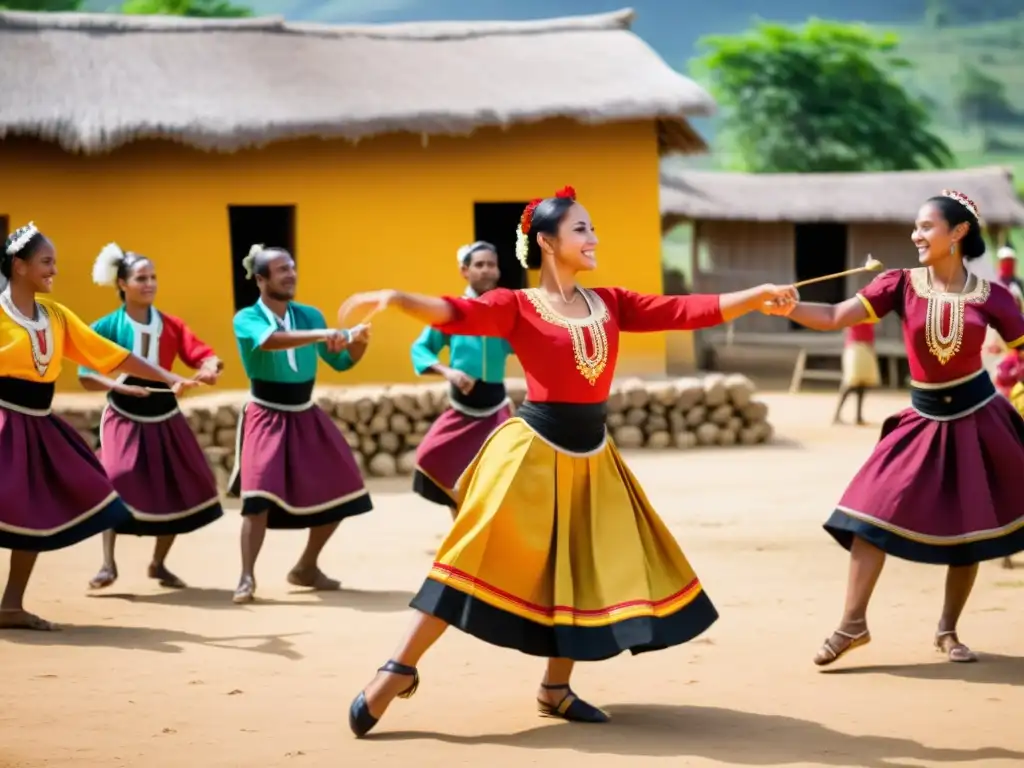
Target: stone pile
[385,424]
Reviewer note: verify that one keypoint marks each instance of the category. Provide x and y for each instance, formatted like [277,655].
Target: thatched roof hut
[832,197]
[93,82]
[749,228]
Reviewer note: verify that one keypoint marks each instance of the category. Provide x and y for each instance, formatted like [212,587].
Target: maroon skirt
[941,487]
[296,466]
[53,488]
[451,444]
[159,471]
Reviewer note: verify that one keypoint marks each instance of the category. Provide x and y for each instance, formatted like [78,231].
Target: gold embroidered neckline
[944,343]
[598,311]
[590,365]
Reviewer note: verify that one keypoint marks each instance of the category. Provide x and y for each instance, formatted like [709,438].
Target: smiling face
[575,246]
[140,286]
[281,279]
[39,269]
[933,237]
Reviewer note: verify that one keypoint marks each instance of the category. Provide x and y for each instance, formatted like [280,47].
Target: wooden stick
[872,265]
[168,391]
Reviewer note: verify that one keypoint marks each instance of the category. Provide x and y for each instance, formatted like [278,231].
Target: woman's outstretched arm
[493,314]
[828,317]
[877,299]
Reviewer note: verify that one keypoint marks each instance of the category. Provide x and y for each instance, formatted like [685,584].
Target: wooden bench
[810,345]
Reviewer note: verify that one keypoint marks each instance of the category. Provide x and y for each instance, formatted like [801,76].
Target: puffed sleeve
[881,295]
[494,314]
[1005,316]
[191,349]
[104,327]
[86,347]
[647,312]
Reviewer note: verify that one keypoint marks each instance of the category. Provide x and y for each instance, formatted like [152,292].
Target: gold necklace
[590,365]
[942,342]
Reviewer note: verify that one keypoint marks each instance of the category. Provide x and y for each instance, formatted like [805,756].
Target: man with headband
[476,375]
[293,469]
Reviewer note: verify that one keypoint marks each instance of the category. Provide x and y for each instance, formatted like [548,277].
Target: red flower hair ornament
[526,222]
[965,201]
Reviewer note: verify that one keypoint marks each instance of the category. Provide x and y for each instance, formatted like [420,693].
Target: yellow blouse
[34,349]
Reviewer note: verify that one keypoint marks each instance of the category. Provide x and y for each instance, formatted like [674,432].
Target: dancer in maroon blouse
[943,484]
[555,551]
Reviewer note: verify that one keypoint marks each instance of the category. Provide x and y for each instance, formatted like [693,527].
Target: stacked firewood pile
[385,424]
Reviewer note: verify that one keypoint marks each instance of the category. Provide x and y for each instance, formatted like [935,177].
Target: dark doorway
[271,225]
[820,250]
[496,223]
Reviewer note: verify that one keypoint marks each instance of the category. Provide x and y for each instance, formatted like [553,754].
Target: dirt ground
[147,677]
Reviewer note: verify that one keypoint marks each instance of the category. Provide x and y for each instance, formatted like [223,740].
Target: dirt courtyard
[142,676]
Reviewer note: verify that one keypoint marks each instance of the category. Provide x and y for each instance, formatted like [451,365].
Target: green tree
[40,5]
[194,8]
[822,97]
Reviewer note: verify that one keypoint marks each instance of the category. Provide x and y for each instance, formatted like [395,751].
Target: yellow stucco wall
[387,212]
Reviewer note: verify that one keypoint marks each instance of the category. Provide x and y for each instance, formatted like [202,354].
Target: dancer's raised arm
[645,312]
[493,314]
[871,304]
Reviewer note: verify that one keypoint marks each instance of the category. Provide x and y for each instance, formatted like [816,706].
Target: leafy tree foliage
[819,98]
[194,8]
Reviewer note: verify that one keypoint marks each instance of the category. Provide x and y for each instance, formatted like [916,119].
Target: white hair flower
[522,246]
[249,262]
[21,237]
[104,269]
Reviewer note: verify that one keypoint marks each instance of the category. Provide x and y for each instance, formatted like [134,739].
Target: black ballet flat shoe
[571,707]
[360,721]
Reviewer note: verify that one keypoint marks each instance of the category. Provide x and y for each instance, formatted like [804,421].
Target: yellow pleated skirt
[1017,397]
[860,365]
[561,555]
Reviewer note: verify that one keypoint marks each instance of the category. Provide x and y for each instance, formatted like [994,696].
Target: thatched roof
[841,197]
[95,81]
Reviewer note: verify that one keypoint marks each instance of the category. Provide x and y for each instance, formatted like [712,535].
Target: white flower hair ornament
[21,237]
[249,262]
[526,224]
[104,269]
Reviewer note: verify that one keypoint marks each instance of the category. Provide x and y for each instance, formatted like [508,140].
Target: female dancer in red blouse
[556,551]
[943,484]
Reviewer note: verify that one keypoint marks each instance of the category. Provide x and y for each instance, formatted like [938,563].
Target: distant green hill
[942,57]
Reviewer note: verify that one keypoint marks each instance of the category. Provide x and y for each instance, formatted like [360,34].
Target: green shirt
[255,324]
